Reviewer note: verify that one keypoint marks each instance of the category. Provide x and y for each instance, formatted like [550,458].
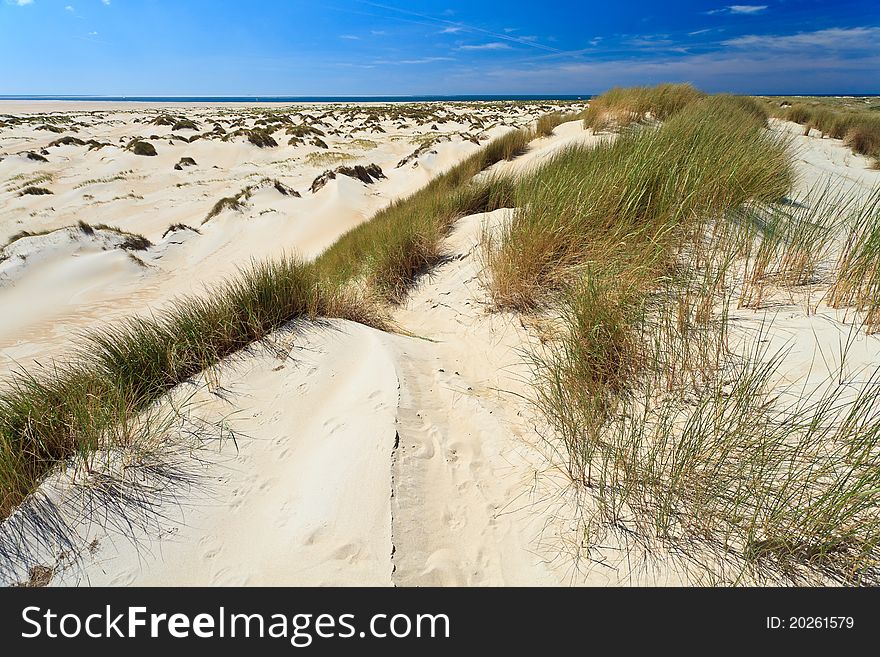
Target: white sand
[367,458]
[42,308]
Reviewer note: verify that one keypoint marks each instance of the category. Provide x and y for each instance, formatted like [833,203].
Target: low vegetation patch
[185,162]
[67,141]
[178,227]
[330,157]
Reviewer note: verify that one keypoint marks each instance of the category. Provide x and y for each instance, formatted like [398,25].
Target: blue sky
[330,47]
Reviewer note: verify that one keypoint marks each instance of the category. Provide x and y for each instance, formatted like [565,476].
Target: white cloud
[452,29]
[106,2]
[746,9]
[423,60]
[20,3]
[349,37]
[739,9]
[494,45]
[69,8]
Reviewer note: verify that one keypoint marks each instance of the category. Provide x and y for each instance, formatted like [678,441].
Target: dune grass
[92,401]
[620,107]
[632,247]
[860,129]
[389,251]
[631,201]
[95,398]
[858,278]
[547,123]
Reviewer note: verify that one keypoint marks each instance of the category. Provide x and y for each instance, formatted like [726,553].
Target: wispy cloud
[739,9]
[69,8]
[20,3]
[835,38]
[494,45]
[457,26]
[410,62]
[349,37]
[842,59]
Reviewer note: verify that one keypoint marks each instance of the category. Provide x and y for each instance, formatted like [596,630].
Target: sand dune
[333,454]
[146,196]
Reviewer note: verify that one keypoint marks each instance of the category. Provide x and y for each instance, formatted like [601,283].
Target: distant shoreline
[298,99]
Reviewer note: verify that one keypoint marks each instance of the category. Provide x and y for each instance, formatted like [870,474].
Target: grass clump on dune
[260,138]
[227,203]
[185,124]
[621,107]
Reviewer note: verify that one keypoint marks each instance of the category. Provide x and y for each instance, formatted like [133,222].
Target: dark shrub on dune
[139,147]
[34,191]
[283,189]
[260,138]
[366,174]
[226,203]
[185,124]
[36,157]
[68,141]
[178,227]
[50,128]
[164,119]
[185,162]
[136,243]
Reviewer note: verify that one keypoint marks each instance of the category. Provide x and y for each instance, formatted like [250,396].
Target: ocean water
[300,99]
